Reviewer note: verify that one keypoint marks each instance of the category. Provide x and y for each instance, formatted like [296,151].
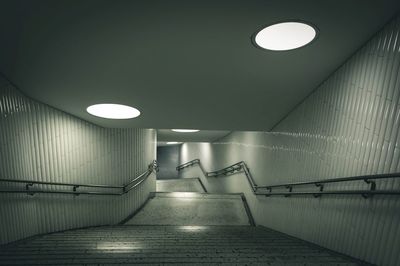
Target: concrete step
[180,185]
[189,208]
[168,245]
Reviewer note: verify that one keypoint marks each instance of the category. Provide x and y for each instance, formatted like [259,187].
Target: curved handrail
[190,163]
[267,190]
[237,167]
[124,188]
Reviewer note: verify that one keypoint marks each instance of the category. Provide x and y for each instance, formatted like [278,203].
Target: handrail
[237,167]
[267,190]
[190,163]
[366,178]
[57,183]
[124,188]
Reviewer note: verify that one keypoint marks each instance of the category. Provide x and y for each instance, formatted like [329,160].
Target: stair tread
[160,245]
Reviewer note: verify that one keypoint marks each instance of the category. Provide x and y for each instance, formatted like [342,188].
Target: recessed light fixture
[285,36]
[172,142]
[113,111]
[185,130]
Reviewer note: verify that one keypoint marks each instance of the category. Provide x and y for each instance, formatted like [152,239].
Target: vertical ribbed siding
[40,143]
[348,126]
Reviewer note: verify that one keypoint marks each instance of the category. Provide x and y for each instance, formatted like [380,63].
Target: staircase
[188,227]
[191,208]
[180,185]
[168,245]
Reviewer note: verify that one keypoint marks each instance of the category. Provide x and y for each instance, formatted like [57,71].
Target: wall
[348,126]
[168,160]
[38,142]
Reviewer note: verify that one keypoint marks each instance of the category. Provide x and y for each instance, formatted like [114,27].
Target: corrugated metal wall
[348,126]
[38,142]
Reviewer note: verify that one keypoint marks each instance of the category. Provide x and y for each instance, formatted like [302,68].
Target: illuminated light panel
[185,130]
[113,111]
[285,36]
[172,142]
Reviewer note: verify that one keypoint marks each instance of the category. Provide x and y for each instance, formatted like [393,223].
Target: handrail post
[74,190]
[371,183]
[371,188]
[321,187]
[27,186]
[290,190]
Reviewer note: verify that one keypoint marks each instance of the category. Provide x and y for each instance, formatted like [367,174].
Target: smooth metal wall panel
[168,159]
[38,142]
[348,126]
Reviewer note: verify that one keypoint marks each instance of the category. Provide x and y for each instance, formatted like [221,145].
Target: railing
[237,167]
[124,188]
[319,184]
[190,163]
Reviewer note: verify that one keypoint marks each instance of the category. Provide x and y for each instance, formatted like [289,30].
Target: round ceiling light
[113,111]
[185,130]
[285,36]
[172,142]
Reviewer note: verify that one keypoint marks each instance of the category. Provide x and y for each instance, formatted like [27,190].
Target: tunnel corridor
[208,132]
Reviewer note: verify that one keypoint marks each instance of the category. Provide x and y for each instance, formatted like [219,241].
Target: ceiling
[183,64]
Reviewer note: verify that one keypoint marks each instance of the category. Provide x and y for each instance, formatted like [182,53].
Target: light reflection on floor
[192,228]
[183,194]
[121,247]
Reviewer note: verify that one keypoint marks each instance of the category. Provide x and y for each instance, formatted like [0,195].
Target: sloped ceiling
[183,64]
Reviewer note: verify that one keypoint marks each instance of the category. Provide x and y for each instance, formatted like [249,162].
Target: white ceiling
[183,64]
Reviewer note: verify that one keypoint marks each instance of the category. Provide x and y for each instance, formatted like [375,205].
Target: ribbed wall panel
[348,126]
[40,143]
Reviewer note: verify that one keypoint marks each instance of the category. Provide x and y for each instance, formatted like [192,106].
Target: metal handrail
[237,167]
[124,188]
[56,183]
[366,178]
[364,193]
[267,190]
[190,163]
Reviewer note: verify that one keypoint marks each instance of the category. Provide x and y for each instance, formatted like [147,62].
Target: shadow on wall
[168,158]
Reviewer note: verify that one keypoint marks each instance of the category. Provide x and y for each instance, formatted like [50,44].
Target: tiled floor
[168,245]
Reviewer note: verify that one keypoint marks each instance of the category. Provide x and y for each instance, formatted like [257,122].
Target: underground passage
[199,132]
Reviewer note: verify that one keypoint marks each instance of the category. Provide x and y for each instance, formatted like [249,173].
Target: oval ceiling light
[185,130]
[172,142]
[113,111]
[285,36]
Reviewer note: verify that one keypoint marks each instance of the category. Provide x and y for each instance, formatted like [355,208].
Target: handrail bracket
[371,183]
[321,186]
[27,186]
